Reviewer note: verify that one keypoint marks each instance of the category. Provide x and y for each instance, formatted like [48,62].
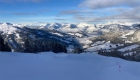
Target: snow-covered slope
[7,28]
[20,37]
[50,66]
[137,35]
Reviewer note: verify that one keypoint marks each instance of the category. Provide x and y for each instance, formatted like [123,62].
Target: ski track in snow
[50,66]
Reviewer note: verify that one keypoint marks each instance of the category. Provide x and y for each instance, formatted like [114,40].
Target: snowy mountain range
[118,39]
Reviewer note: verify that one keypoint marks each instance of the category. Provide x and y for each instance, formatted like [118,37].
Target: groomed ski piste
[51,66]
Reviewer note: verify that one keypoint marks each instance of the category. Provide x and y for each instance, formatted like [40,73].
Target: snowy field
[50,66]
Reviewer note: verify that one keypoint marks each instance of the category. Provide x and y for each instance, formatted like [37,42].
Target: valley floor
[50,66]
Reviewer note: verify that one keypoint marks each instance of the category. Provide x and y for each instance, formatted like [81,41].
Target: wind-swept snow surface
[50,66]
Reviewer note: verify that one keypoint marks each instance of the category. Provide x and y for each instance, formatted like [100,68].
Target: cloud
[105,14]
[12,1]
[59,19]
[109,10]
[21,13]
[43,11]
[131,14]
[41,22]
[75,12]
[99,4]
[24,13]
[69,12]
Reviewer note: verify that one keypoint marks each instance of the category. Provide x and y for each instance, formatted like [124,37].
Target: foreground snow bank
[50,66]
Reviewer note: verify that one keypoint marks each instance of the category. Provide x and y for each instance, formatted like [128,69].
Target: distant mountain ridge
[118,39]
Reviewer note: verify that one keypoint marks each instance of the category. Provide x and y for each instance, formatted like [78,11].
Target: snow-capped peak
[70,25]
[5,24]
[54,26]
[83,25]
[7,28]
[119,23]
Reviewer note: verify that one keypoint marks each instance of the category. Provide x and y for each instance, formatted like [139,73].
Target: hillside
[117,39]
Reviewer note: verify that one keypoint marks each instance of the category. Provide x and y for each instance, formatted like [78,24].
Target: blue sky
[69,11]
